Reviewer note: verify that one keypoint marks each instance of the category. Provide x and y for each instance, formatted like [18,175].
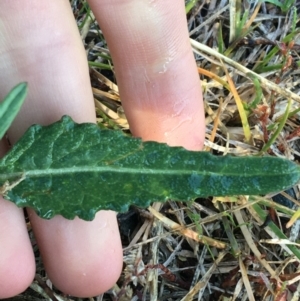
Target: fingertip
[17,264]
[91,280]
[82,259]
[16,274]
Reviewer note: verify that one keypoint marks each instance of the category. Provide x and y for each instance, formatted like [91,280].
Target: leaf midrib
[125,170]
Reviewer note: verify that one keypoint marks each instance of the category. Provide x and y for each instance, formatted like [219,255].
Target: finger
[40,44]
[155,69]
[17,265]
[89,254]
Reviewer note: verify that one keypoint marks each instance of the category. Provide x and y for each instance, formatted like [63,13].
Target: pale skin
[161,96]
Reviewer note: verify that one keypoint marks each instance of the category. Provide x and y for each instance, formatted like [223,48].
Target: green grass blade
[100,65]
[262,67]
[221,44]
[258,92]
[269,203]
[235,249]
[85,8]
[284,6]
[10,106]
[276,230]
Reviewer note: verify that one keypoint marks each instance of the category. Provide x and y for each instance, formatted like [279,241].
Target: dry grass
[220,248]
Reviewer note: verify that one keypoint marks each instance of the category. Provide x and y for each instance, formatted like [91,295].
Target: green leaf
[10,106]
[77,169]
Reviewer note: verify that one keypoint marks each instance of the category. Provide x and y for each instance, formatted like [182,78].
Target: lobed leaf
[78,169]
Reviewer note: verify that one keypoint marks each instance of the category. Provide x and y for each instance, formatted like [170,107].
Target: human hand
[161,96]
